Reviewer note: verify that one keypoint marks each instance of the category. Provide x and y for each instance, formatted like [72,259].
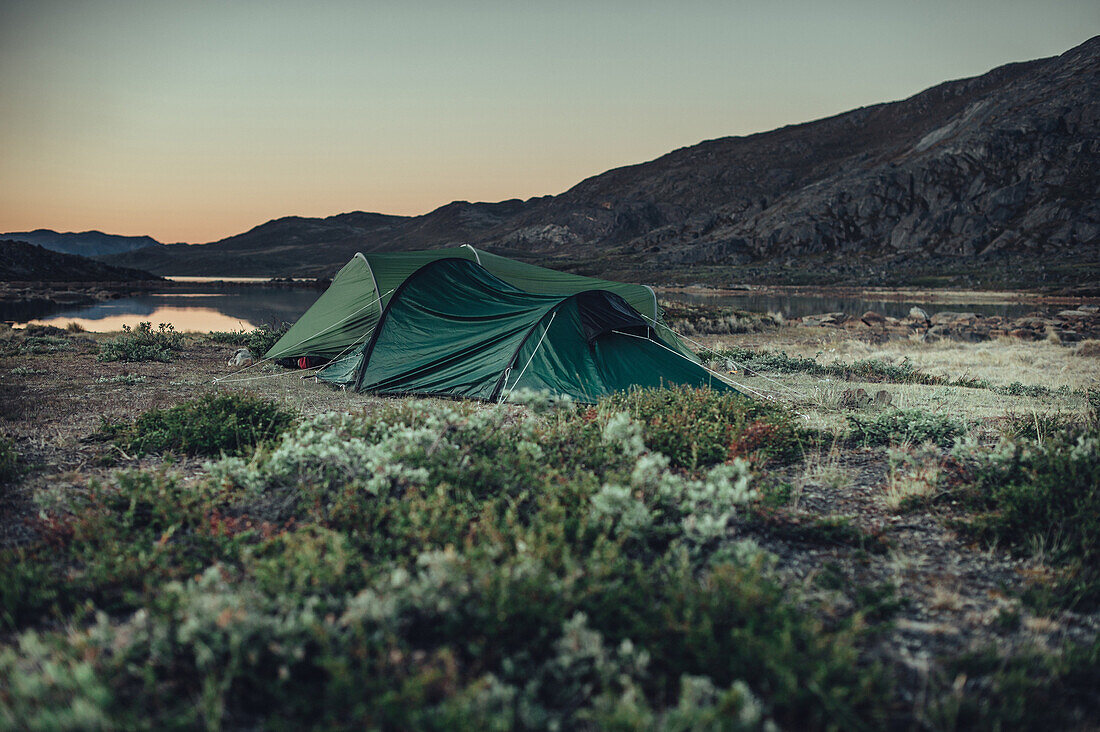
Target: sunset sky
[192,121]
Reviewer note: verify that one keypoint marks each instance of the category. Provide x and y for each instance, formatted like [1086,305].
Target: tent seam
[368,351]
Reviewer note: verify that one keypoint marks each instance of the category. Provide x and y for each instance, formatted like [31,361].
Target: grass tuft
[9,461]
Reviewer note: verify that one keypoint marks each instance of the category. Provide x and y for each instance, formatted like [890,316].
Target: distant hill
[302,246]
[84,243]
[1002,168]
[20,261]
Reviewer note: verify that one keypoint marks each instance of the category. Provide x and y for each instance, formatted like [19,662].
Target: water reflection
[228,308]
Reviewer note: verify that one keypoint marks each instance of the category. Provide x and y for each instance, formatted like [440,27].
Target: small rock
[852,398]
[883,398]
[243,357]
[824,319]
[871,318]
[948,316]
[916,313]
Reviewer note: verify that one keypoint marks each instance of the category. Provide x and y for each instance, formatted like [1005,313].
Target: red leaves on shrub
[219,525]
[755,437]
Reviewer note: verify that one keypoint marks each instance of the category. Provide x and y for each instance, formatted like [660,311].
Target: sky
[191,120]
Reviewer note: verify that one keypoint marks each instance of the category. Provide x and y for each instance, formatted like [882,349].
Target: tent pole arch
[476,257]
[374,280]
[656,308]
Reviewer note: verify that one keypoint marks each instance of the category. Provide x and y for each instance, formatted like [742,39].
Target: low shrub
[117,543]
[460,642]
[9,460]
[228,337]
[448,566]
[210,425]
[771,361]
[1018,389]
[261,339]
[914,475]
[125,379]
[143,344]
[1042,497]
[26,371]
[44,344]
[866,369]
[1040,425]
[258,340]
[897,426]
[698,427]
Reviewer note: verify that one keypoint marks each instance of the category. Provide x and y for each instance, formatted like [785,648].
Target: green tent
[452,327]
[345,315]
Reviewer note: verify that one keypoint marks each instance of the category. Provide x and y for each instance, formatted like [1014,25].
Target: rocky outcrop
[1009,161]
[1068,326]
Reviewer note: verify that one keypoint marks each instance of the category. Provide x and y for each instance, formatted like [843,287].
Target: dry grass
[914,474]
[818,401]
[825,469]
[999,362]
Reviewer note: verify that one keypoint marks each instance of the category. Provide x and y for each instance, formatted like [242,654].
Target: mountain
[1003,168]
[23,262]
[300,246]
[84,243]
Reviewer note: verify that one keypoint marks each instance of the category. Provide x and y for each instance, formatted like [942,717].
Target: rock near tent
[466,323]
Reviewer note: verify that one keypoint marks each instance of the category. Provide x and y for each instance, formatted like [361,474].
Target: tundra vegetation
[277,554]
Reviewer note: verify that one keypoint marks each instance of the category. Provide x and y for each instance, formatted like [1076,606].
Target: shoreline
[931,295]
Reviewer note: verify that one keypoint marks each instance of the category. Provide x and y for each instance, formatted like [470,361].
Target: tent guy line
[226,380]
[717,375]
[313,370]
[546,330]
[691,340]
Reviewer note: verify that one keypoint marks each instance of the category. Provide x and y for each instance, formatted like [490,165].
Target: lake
[199,308]
[196,304]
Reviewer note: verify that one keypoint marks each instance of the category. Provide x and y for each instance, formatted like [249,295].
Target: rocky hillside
[23,262]
[997,168]
[83,243]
